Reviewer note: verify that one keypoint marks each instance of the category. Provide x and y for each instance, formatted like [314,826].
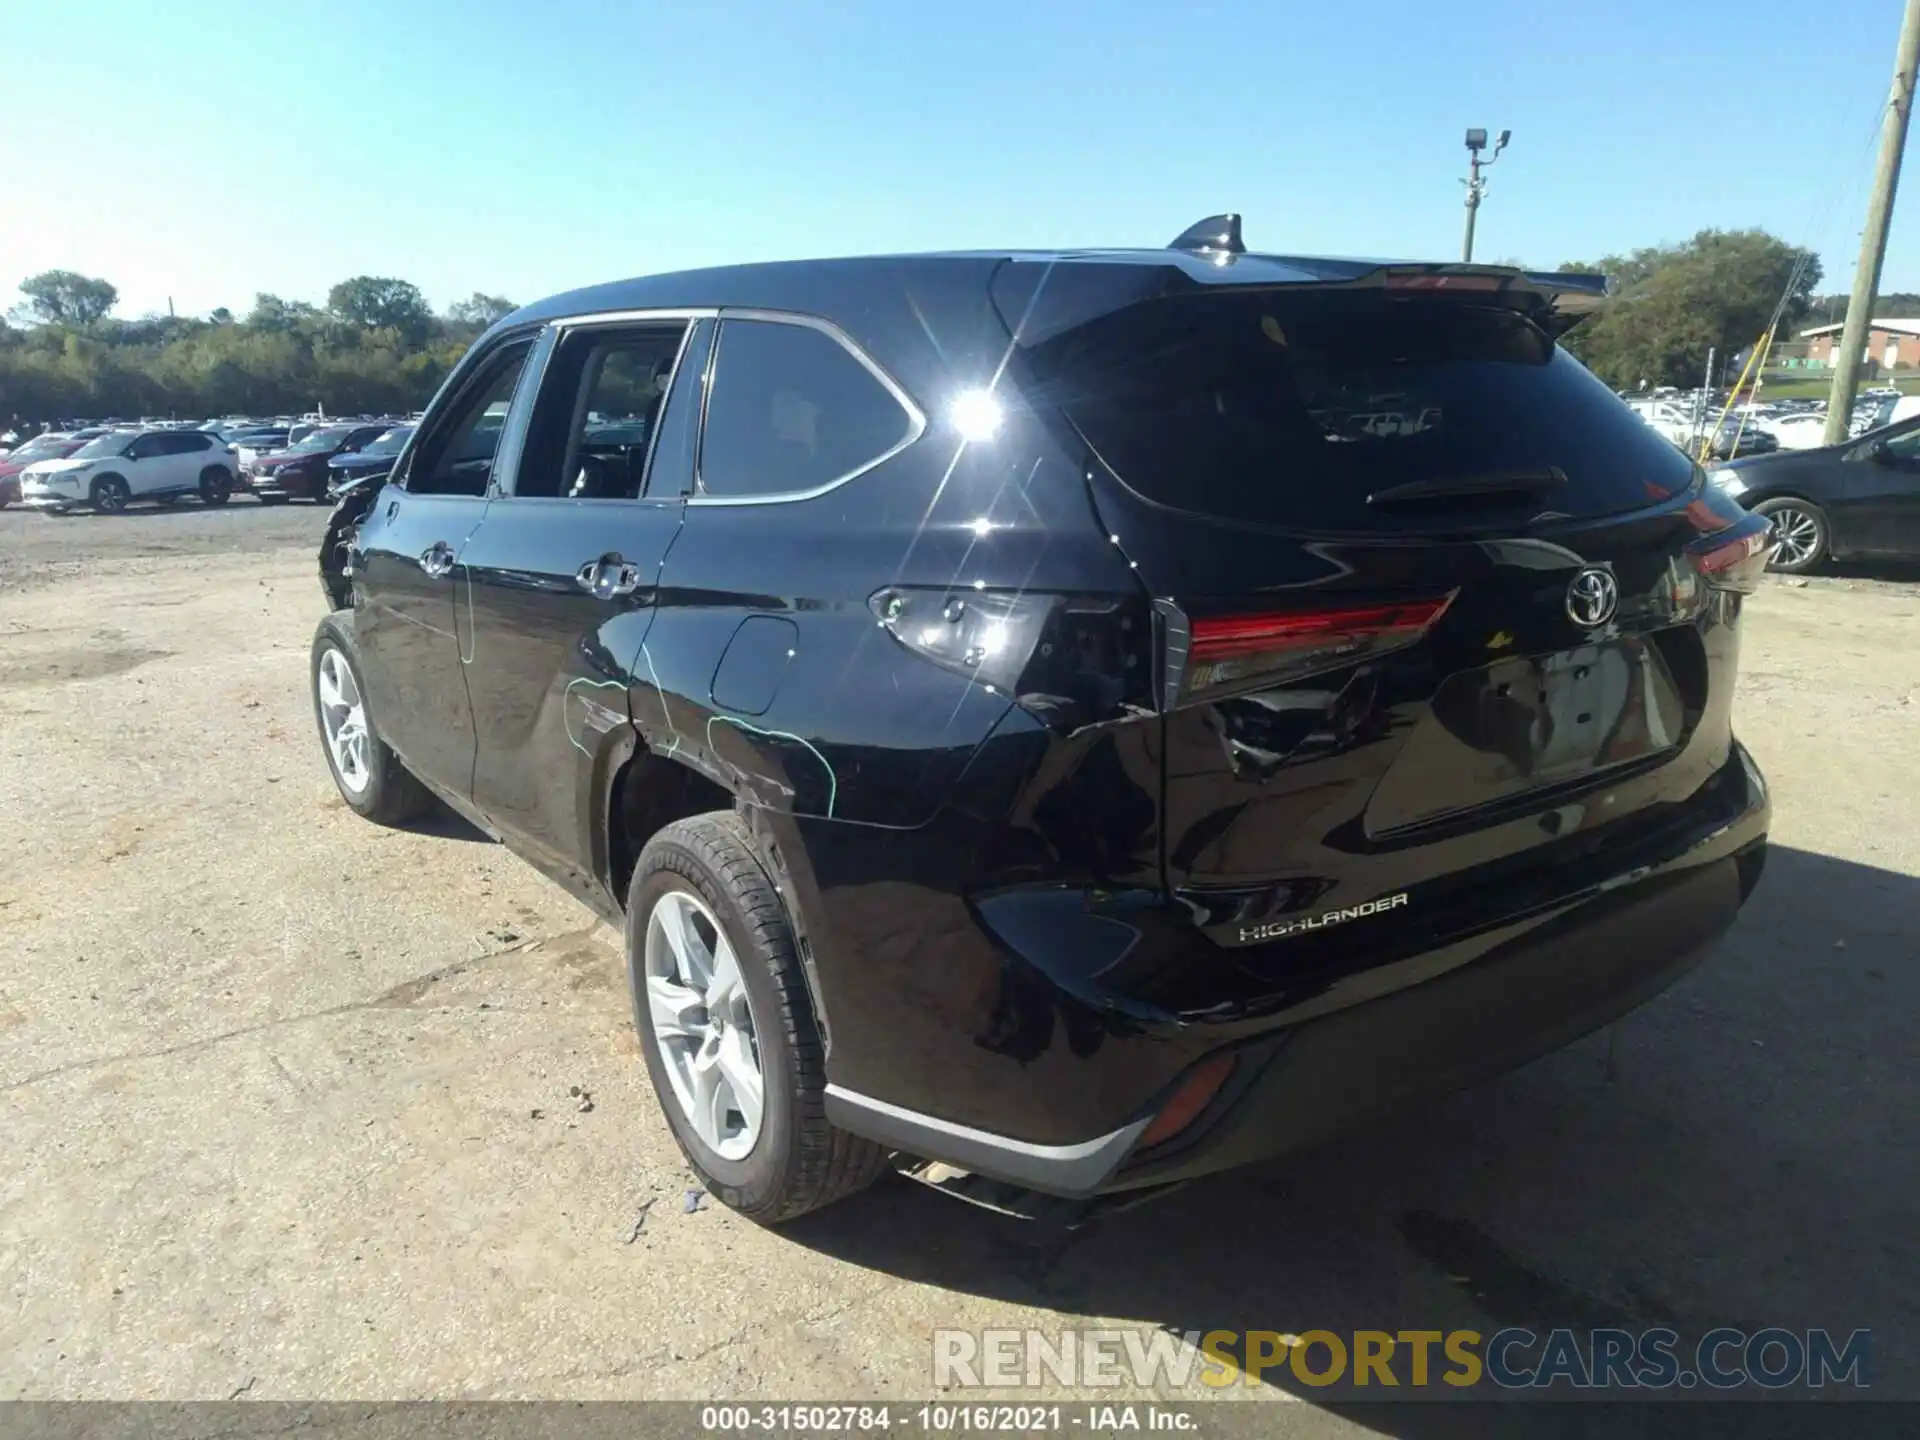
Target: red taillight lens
[1735,558]
[1228,649]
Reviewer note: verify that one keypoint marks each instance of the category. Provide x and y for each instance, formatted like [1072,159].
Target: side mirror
[1880,453]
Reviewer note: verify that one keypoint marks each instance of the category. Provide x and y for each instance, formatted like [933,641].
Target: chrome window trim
[634,317]
[916,418]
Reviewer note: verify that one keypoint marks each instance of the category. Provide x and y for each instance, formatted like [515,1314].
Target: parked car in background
[300,470]
[250,445]
[122,466]
[1858,498]
[1674,420]
[1799,432]
[50,446]
[371,460]
[947,679]
[1734,436]
[1685,427]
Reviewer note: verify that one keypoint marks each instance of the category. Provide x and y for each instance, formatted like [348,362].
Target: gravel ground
[288,1101]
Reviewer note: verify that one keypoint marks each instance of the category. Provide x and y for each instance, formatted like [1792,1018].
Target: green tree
[377,303]
[480,310]
[64,297]
[270,312]
[1671,304]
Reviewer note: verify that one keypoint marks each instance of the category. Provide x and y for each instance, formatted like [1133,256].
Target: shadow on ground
[445,823]
[1750,1164]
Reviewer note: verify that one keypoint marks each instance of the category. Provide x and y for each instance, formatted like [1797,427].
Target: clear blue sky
[205,150]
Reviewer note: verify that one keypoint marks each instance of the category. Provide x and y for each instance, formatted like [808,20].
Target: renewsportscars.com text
[1514,1358]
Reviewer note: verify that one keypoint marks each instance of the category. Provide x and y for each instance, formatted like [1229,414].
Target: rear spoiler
[1556,300]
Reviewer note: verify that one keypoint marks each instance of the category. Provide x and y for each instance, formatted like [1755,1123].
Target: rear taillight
[1735,558]
[1070,659]
[1279,646]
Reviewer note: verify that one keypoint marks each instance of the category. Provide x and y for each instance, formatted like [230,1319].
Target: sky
[199,152]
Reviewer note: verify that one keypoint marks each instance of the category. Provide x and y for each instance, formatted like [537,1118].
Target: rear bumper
[1483,1005]
[1524,999]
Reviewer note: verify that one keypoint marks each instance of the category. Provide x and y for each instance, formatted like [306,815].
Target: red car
[302,469]
[40,447]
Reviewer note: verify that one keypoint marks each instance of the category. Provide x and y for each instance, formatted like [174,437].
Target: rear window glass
[1295,408]
[791,410]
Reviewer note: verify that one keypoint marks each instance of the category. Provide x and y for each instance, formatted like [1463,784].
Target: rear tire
[216,486]
[365,770]
[110,495]
[705,868]
[1801,535]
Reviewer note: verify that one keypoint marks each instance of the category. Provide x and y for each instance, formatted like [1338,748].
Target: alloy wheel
[697,1006]
[1796,536]
[343,717]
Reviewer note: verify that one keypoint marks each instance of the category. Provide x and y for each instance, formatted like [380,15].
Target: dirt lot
[288,1101]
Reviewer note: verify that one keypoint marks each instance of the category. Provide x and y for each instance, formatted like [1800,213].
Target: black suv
[1087,718]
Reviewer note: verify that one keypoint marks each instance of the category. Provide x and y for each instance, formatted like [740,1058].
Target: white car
[126,465]
[1669,418]
[1799,432]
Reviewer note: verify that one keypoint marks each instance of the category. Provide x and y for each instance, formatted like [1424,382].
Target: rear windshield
[1295,407]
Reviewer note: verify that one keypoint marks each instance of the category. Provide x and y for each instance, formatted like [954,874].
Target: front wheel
[216,486]
[1800,535]
[110,494]
[369,775]
[728,1029]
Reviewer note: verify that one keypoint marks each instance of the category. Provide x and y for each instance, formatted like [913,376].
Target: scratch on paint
[566,710]
[833,782]
[666,710]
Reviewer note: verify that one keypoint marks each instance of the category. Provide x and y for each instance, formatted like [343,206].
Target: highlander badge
[1278,929]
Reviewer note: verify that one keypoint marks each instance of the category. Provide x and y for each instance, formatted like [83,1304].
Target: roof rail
[1215,235]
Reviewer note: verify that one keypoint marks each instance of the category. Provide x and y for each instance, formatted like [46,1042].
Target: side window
[145,448]
[598,412]
[790,410]
[1907,446]
[185,442]
[456,456]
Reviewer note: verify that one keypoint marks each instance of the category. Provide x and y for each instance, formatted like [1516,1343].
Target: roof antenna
[1215,235]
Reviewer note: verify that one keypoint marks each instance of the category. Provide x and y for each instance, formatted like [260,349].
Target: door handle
[437,559]
[608,578]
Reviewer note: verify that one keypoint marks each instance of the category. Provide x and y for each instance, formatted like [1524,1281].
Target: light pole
[1477,186]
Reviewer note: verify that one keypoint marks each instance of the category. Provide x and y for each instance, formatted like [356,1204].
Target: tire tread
[398,796]
[827,1163]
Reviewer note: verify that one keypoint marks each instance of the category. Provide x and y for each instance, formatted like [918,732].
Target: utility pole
[1477,186]
[1873,241]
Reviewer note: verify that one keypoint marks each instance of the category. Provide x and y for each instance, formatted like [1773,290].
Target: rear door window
[1302,406]
[792,410]
[599,408]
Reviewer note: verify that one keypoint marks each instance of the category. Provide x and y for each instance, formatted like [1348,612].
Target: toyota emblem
[1591,597]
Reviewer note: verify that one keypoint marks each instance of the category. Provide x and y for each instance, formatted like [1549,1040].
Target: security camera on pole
[1476,186]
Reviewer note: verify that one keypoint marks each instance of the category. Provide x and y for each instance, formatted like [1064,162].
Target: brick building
[1891,344]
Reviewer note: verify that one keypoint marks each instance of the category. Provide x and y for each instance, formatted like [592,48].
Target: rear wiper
[1489,485]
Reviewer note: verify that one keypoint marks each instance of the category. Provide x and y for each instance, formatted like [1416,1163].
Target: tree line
[1670,305]
[375,347]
